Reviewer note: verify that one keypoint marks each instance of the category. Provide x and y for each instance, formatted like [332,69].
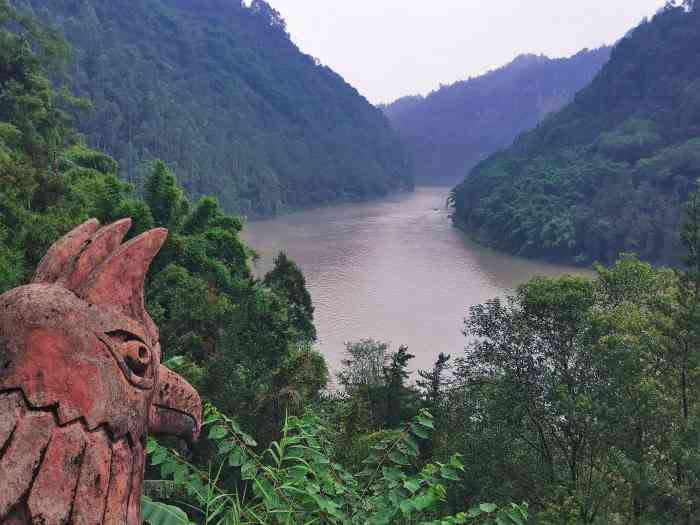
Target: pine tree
[395,375]
[288,281]
[166,199]
[432,385]
[433,381]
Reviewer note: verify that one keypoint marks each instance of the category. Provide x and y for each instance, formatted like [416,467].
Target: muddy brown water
[394,270]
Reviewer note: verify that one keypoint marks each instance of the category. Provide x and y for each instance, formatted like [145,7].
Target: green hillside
[610,171]
[218,90]
[452,129]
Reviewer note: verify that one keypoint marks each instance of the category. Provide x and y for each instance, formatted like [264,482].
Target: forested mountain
[455,127]
[218,90]
[608,173]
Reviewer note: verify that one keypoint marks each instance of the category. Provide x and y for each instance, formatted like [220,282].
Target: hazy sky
[391,48]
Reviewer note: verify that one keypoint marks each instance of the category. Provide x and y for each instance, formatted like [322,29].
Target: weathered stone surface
[91,494]
[11,409]
[81,383]
[120,279]
[63,253]
[102,245]
[174,398]
[51,496]
[22,458]
[119,484]
[19,516]
[133,513]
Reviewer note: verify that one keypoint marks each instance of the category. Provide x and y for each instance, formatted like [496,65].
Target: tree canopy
[610,172]
[218,91]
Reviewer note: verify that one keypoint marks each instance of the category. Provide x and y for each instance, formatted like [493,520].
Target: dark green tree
[529,372]
[362,379]
[433,387]
[164,197]
[287,280]
[432,383]
[395,375]
[687,328]
[683,333]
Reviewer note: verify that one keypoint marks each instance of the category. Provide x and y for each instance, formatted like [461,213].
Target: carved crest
[81,382]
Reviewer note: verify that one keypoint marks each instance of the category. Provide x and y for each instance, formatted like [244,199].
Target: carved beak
[176,409]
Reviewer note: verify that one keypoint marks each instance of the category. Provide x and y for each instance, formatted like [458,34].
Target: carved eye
[134,357]
[137,357]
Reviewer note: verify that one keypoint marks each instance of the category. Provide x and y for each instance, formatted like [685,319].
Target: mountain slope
[219,91]
[611,171]
[455,127]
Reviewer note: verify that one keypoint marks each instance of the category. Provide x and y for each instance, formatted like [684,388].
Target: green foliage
[288,281]
[34,201]
[164,197]
[376,394]
[220,92]
[156,513]
[576,393]
[244,338]
[609,173]
[453,128]
[297,480]
[631,140]
[11,263]
[364,363]
[396,374]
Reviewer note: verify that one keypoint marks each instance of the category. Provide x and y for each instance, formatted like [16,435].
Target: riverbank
[287,210]
[578,262]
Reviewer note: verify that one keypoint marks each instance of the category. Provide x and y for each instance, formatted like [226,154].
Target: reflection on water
[394,270]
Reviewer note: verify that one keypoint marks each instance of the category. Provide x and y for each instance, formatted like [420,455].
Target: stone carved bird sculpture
[81,383]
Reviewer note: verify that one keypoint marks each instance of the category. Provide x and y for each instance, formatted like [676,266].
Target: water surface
[394,270]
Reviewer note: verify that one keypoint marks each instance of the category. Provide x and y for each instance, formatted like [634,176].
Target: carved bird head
[78,344]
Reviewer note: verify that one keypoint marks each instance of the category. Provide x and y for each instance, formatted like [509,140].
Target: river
[394,270]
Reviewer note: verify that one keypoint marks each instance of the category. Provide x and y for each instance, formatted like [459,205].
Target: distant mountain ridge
[217,89]
[452,129]
[610,172]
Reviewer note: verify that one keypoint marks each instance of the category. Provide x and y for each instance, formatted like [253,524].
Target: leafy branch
[295,480]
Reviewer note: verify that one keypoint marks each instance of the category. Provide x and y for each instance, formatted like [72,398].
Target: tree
[687,326]
[164,197]
[433,382]
[637,411]
[683,332]
[363,364]
[534,355]
[287,280]
[395,375]
[433,386]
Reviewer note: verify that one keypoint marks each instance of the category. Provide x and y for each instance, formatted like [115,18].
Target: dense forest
[201,291]
[455,127]
[609,172]
[218,90]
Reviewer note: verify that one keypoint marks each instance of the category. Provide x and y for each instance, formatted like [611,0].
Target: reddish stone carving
[81,383]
